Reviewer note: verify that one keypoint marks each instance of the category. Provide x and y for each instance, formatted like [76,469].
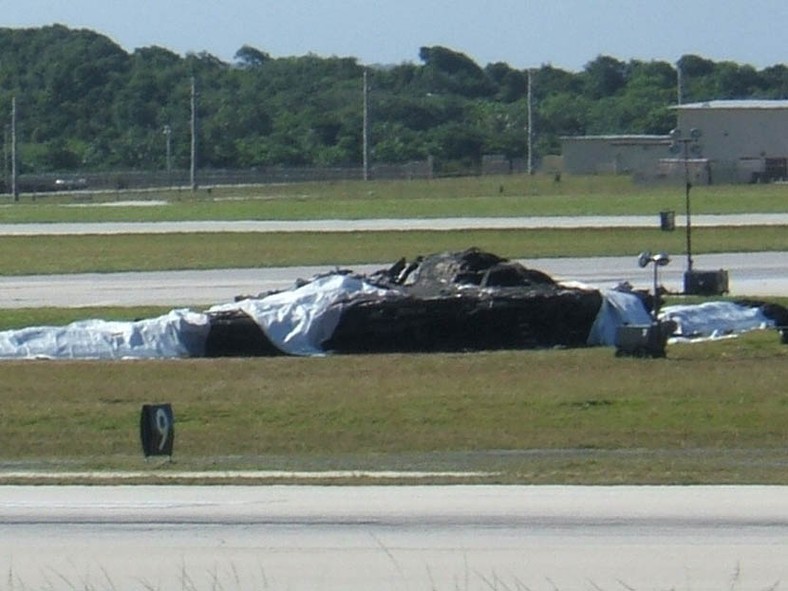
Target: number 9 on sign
[157,429]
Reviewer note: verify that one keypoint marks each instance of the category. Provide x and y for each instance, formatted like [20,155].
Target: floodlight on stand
[661,259]
[644,259]
[646,340]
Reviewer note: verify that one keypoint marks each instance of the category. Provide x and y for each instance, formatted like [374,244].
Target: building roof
[736,104]
[630,138]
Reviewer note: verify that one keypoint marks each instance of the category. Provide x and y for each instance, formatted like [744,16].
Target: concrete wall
[616,154]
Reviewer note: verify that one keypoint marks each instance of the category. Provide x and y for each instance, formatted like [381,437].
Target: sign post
[157,430]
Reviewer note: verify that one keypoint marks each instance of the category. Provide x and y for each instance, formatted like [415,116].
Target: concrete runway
[367,225]
[385,537]
[751,275]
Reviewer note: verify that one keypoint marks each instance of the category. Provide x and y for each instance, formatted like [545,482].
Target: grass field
[709,413]
[94,253]
[714,412]
[508,196]
[515,195]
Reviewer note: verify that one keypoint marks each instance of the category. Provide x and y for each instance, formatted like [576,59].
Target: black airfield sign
[157,430]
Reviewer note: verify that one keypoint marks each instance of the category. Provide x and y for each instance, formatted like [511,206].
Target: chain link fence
[142,180]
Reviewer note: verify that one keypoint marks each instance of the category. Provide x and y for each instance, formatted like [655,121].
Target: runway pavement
[390,537]
[755,274]
[751,275]
[366,225]
[386,537]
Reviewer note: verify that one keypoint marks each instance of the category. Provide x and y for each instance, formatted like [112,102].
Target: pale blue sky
[523,33]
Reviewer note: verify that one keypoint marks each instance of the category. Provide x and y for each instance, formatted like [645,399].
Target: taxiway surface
[383,537]
[751,274]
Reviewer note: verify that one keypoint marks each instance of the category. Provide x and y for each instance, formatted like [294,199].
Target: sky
[566,34]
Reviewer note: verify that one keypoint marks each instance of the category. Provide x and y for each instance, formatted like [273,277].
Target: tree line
[84,103]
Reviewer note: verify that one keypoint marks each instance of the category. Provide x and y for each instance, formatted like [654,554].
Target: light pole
[695,282]
[14,187]
[193,126]
[685,145]
[679,83]
[365,130]
[7,158]
[530,136]
[167,131]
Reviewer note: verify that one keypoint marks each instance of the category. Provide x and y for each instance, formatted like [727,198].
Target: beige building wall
[731,130]
[741,139]
[614,154]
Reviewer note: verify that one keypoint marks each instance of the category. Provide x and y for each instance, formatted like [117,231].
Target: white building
[743,141]
[734,141]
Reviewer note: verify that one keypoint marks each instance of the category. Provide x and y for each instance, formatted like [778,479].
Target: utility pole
[365,132]
[167,131]
[687,187]
[7,157]
[14,188]
[685,146]
[193,168]
[679,84]
[530,123]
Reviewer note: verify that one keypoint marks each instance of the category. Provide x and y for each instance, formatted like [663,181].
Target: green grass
[709,413]
[515,195]
[130,252]
[693,417]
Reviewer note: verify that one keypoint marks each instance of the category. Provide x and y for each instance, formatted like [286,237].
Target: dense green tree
[604,76]
[549,80]
[249,57]
[447,71]
[511,84]
[774,82]
[83,103]
[734,81]
[564,113]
